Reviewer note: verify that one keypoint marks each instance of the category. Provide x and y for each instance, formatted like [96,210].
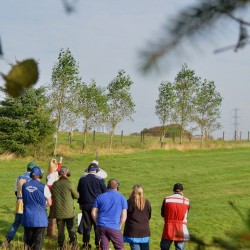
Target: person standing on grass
[90,186]
[136,230]
[19,204]
[52,176]
[109,213]
[174,210]
[63,194]
[35,198]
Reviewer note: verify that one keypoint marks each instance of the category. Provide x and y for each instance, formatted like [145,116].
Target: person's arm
[94,214]
[74,192]
[162,208]
[103,186]
[49,201]
[59,165]
[47,195]
[15,187]
[149,210]
[123,217]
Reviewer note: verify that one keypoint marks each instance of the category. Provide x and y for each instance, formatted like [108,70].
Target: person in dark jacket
[63,195]
[90,186]
[35,198]
[136,230]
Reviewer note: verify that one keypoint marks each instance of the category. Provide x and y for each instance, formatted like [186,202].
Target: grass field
[211,178]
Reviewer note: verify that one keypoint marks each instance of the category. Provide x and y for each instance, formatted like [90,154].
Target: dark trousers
[87,223]
[34,237]
[70,224]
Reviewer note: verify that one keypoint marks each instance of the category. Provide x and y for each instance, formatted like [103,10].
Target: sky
[105,36]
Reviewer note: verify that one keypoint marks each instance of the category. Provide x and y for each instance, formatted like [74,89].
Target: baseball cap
[37,171]
[93,167]
[31,165]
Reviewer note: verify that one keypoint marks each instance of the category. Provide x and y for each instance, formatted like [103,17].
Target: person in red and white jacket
[175,209]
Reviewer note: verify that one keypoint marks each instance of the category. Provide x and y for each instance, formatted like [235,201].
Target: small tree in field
[207,107]
[185,86]
[91,106]
[65,77]
[164,106]
[120,103]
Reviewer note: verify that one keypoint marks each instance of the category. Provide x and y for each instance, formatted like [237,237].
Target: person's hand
[61,158]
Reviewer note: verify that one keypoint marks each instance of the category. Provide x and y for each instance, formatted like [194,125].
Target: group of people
[104,209]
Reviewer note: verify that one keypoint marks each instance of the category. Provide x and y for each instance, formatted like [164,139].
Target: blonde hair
[52,166]
[137,195]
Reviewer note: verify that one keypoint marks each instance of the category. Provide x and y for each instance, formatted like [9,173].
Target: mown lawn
[211,179]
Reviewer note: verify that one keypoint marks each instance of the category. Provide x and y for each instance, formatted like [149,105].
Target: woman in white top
[51,177]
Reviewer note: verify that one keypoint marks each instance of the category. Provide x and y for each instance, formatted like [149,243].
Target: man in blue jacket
[35,198]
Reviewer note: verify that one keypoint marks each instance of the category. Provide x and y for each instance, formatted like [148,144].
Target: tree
[164,106]
[185,86]
[91,106]
[197,21]
[25,123]
[207,107]
[120,103]
[65,77]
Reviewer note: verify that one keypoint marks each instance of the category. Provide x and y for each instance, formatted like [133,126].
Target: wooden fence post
[121,136]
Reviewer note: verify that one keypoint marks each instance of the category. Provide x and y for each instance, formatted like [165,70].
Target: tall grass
[212,177]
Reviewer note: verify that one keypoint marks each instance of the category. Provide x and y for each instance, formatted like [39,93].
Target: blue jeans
[12,231]
[139,246]
[165,244]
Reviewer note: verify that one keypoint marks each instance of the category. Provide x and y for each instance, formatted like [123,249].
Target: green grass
[211,178]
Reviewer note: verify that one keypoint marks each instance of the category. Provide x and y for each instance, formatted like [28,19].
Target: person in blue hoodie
[36,196]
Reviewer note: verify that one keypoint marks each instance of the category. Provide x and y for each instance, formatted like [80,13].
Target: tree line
[189,101]
[28,120]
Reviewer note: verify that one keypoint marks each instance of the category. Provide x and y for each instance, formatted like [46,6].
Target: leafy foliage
[189,100]
[22,75]
[164,105]
[65,77]
[185,85]
[207,107]
[24,121]
[120,103]
[91,106]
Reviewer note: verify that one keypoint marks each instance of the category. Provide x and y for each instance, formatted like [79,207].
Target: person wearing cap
[63,193]
[36,196]
[110,213]
[19,204]
[174,210]
[90,186]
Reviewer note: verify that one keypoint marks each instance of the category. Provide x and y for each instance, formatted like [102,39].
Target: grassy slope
[211,178]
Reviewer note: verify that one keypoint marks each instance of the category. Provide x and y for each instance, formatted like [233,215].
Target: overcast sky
[105,36]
